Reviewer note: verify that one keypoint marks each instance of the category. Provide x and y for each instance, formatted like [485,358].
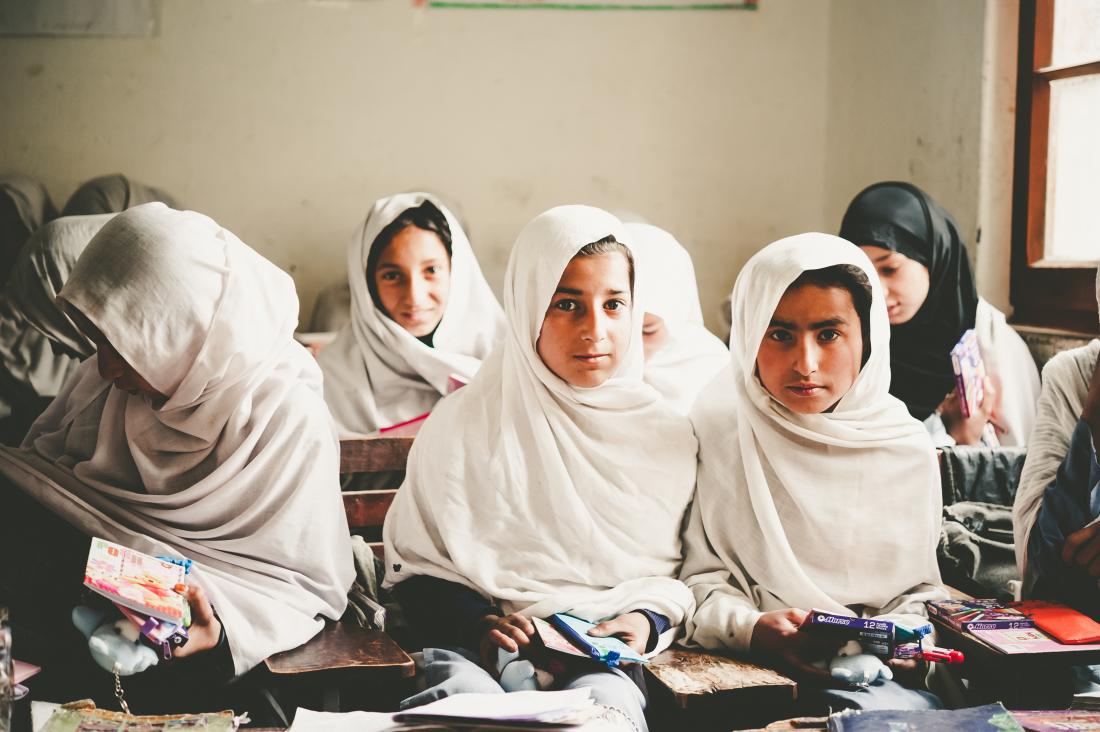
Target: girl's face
[413,279]
[112,366]
[904,280]
[586,331]
[812,351]
[654,334]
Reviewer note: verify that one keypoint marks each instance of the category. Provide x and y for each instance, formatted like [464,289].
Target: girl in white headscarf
[1057,536]
[817,489]
[556,481]
[28,370]
[36,328]
[199,431]
[681,355]
[421,311]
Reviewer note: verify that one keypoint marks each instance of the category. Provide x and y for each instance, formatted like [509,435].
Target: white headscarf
[807,510]
[238,469]
[1066,379]
[29,316]
[540,495]
[692,355]
[376,372]
[43,267]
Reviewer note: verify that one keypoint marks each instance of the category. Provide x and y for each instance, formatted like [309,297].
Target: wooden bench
[701,691]
[364,666]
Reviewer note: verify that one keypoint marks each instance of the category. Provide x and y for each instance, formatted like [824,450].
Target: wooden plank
[373,454]
[691,675]
[343,646]
[367,509]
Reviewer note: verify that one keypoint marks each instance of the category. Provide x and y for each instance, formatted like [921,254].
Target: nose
[416,293]
[593,325]
[110,368]
[806,358]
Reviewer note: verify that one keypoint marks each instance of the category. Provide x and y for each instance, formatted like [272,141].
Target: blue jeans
[456,671]
[887,695]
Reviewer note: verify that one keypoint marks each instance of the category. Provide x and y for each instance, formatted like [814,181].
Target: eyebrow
[828,323]
[884,256]
[578,293]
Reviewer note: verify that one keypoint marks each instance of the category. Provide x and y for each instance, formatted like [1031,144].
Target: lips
[592,359]
[806,390]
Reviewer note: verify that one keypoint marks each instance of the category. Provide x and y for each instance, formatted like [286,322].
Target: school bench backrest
[381,455]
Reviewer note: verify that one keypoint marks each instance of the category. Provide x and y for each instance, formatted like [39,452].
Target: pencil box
[1064,623]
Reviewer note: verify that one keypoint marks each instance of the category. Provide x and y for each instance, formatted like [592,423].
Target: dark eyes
[888,271]
[614,305]
[391,276]
[779,335]
[828,335]
[566,305]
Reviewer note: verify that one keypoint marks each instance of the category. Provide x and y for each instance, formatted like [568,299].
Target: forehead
[412,244]
[597,273]
[813,303]
[879,254]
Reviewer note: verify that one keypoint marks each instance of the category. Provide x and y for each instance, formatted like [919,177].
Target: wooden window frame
[1043,294]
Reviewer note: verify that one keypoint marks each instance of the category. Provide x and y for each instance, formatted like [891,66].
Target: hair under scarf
[238,468]
[692,354]
[905,219]
[540,495]
[808,510]
[377,373]
[113,194]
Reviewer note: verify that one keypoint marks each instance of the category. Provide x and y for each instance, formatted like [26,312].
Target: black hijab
[905,219]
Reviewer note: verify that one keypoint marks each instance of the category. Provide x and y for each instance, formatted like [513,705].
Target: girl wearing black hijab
[931,301]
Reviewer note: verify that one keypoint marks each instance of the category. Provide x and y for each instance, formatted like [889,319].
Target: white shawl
[543,496]
[1066,379]
[377,373]
[837,511]
[238,469]
[692,355]
[1009,362]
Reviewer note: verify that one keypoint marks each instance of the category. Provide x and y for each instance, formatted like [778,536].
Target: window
[1056,192]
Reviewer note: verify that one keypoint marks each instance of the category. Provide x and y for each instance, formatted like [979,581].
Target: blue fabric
[456,671]
[1070,503]
[443,613]
[887,695]
[657,624]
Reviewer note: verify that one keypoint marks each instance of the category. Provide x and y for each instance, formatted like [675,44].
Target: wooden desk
[1020,681]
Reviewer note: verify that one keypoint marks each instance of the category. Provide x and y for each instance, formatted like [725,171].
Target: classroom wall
[285,119]
[905,102]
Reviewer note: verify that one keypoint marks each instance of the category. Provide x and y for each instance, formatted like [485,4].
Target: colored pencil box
[1064,623]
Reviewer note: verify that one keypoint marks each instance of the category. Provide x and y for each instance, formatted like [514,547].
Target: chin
[588,379]
[817,406]
[421,329]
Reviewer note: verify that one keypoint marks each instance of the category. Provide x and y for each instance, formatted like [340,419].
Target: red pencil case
[1064,623]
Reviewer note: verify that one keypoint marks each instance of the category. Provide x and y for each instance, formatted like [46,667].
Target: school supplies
[966,359]
[518,709]
[991,718]
[1065,624]
[1058,720]
[930,653]
[876,636]
[568,634]
[970,615]
[83,716]
[1027,640]
[138,581]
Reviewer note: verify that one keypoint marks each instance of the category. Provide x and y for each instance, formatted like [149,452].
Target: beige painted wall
[284,119]
[905,102]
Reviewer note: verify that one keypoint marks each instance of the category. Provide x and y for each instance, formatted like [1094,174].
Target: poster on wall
[125,18]
[592,4]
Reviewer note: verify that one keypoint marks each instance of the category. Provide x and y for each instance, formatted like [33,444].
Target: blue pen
[576,638]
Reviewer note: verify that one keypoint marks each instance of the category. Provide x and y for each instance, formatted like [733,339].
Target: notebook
[568,634]
[138,581]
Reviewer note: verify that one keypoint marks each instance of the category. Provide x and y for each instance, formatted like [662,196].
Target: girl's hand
[632,628]
[776,635]
[511,632]
[968,430]
[205,630]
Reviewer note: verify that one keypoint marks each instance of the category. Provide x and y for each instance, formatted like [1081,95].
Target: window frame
[1043,294]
